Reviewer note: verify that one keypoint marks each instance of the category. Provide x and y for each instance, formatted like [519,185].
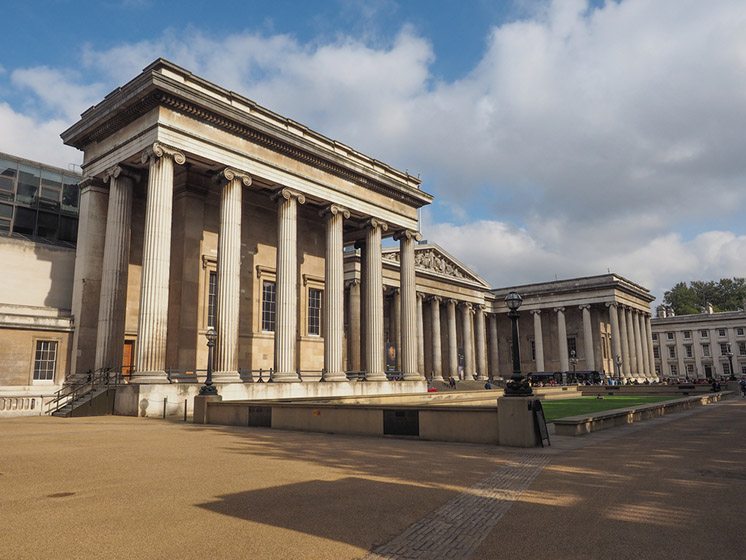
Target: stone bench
[587,423]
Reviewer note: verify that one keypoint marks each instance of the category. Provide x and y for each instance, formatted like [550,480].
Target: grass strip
[562,408]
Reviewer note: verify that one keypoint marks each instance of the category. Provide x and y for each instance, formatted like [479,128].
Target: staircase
[91,396]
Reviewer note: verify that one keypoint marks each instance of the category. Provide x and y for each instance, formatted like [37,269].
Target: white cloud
[601,131]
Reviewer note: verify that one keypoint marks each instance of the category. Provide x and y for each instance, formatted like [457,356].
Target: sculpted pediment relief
[433,259]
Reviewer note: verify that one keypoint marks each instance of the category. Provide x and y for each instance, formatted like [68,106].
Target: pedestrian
[743,387]
[451,382]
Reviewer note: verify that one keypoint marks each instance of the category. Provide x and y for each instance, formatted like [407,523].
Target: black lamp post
[517,386]
[729,353]
[208,389]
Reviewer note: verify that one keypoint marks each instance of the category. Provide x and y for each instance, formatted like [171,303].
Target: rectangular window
[314,312]
[669,335]
[28,184]
[690,369]
[47,225]
[268,306]
[724,348]
[704,333]
[6,215]
[721,332]
[25,221]
[742,348]
[687,334]
[655,336]
[672,351]
[69,195]
[657,370]
[706,350]
[674,369]
[68,229]
[743,370]
[726,368]
[656,353]
[688,350]
[8,171]
[45,360]
[572,348]
[739,331]
[212,299]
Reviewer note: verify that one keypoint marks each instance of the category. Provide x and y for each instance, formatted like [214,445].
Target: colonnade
[150,355]
[631,341]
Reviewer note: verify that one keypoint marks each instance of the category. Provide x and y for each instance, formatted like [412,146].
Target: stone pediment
[433,259]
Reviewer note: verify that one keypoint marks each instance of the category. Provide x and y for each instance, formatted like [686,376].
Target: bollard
[185,409]
[164,407]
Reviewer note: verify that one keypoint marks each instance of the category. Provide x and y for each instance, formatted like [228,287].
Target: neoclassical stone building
[200,208]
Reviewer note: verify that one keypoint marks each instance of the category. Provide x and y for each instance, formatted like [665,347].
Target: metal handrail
[70,393]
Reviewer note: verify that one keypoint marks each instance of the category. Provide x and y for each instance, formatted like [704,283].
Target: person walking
[742,383]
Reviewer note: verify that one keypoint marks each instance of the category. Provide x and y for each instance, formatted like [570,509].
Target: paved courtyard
[116,487]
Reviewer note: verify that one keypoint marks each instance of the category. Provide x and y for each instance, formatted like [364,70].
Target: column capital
[467,305]
[535,312]
[585,306]
[559,309]
[158,150]
[352,283]
[437,299]
[407,234]
[421,296]
[116,171]
[478,307]
[375,223]
[333,210]
[228,174]
[451,301]
[391,290]
[286,194]
[612,304]
[90,182]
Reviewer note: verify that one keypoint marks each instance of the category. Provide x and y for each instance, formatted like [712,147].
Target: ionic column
[229,275]
[152,328]
[466,311]
[334,293]
[113,297]
[538,340]
[452,341]
[494,352]
[481,343]
[649,338]
[395,324]
[562,339]
[616,345]
[408,325]
[644,347]
[638,342]
[286,324]
[435,331]
[626,370]
[633,369]
[354,325]
[590,361]
[374,344]
[420,336]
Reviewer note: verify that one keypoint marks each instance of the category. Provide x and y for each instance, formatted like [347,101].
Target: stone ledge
[585,424]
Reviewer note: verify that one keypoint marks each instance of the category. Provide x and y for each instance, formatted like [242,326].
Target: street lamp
[208,389]
[619,368]
[729,353]
[517,386]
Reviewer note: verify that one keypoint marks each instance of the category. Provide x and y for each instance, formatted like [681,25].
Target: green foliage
[728,294]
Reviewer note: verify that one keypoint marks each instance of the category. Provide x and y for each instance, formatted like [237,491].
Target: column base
[285,377]
[149,377]
[334,376]
[226,377]
[375,376]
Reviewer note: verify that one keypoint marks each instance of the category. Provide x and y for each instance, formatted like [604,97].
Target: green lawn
[583,405]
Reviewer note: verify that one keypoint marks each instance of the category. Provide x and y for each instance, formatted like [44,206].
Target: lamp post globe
[208,388]
[517,386]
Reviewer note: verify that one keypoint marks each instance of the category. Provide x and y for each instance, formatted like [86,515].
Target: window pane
[25,221]
[68,229]
[70,194]
[212,296]
[28,184]
[268,306]
[314,312]
[6,211]
[46,225]
[46,360]
[8,174]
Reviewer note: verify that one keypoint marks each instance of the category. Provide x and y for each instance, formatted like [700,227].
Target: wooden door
[128,357]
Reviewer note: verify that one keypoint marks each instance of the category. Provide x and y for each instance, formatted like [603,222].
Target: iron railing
[100,378]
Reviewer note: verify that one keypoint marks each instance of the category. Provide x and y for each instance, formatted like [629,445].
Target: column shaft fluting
[590,359]
[616,344]
[113,298]
[334,294]
[452,340]
[633,369]
[152,327]
[354,326]
[638,343]
[408,325]
[625,341]
[374,344]
[395,325]
[420,336]
[538,340]
[286,324]
[494,351]
[229,275]
[436,337]
[466,317]
[649,338]
[562,339]
[481,343]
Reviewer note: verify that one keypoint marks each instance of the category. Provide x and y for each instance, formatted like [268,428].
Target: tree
[728,294]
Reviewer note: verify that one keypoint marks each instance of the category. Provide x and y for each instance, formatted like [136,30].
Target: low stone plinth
[587,423]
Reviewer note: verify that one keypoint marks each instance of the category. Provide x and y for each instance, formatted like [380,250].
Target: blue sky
[560,137]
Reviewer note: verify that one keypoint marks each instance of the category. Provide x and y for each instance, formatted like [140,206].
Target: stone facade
[690,347]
